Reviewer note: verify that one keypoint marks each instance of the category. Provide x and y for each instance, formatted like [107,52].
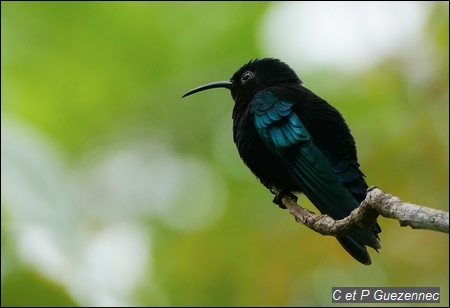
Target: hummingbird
[294,141]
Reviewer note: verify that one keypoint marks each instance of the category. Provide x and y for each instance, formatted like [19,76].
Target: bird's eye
[247,76]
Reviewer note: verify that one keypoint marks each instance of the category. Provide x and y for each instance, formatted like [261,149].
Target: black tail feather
[356,250]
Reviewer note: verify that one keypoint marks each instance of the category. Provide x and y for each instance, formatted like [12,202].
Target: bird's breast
[266,166]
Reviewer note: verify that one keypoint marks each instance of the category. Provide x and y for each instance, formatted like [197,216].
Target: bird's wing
[349,175]
[283,132]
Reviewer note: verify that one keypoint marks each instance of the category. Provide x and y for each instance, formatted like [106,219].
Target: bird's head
[253,77]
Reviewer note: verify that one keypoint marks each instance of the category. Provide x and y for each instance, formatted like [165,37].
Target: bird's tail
[355,243]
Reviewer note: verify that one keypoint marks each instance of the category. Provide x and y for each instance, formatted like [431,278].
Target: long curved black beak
[211,85]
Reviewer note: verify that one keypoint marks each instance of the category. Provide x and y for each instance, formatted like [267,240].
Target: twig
[376,203]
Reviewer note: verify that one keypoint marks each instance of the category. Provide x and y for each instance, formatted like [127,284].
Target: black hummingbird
[295,141]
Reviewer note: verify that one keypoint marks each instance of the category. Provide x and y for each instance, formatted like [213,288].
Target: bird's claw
[278,199]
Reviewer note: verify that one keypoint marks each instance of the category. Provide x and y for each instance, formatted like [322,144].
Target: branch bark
[376,203]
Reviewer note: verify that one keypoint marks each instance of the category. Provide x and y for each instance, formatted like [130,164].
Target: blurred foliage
[91,114]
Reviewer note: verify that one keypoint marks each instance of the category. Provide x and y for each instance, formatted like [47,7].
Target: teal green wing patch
[276,122]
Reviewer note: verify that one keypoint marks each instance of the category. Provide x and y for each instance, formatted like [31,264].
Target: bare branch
[376,203]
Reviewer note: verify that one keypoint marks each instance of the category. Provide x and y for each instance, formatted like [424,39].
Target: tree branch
[376,203]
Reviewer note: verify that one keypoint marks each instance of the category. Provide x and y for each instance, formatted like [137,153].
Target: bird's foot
[278,199]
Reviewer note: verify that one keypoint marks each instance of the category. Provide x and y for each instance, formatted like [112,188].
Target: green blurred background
[115,191]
